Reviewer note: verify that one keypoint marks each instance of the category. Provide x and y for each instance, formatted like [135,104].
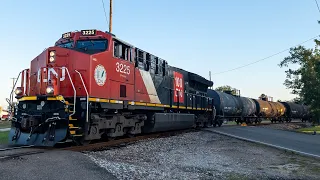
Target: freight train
[92,85]
[233,107]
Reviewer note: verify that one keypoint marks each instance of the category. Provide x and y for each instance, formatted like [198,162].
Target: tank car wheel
[220,123]
[214,124]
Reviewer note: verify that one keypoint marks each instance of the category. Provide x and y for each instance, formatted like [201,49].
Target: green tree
[263,96]
[297,100]
[224,88]
[227,88]
[304,81]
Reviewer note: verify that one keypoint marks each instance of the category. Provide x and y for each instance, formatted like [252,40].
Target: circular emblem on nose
[100,75]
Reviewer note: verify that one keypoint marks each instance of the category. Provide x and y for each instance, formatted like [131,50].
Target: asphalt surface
[301,143]
[52,165]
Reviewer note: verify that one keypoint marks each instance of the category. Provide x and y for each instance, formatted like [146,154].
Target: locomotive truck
[92,85]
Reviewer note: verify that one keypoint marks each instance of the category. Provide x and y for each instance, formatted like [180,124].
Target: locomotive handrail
[85,88]
[74,92]
[15,84]
[9,101]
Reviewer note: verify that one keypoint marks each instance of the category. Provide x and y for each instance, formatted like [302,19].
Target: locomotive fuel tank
[226,104]
[168,121]
[248,106]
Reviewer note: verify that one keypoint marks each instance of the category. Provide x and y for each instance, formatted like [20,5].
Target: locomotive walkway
[296,142]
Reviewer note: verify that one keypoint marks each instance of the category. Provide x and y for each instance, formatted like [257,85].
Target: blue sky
[211,35]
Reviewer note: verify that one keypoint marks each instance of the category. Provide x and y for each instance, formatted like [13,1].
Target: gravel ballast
[203,155]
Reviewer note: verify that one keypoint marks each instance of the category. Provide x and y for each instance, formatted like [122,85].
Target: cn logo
[178,86]
[50,72]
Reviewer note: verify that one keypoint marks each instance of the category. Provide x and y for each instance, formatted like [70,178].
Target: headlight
[50,90]
[52,57]
[52,53]
[18,91]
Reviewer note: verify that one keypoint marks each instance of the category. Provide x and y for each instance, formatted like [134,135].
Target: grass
[231,123]
[310,129]
[5,124]
[306,164]
[4,137]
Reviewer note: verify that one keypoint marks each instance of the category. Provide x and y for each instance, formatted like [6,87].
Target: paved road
[301,143]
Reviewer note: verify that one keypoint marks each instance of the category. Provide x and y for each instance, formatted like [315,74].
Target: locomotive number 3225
[122,68]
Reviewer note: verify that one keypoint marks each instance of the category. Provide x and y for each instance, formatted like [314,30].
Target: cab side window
[121,50]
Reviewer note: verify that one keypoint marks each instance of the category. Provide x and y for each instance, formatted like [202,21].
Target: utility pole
[110,17]
[210,78]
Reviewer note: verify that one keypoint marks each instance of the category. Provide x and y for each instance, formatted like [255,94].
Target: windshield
[92,46]
[66,44]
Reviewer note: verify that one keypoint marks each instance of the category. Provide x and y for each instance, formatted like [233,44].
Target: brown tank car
[266,108]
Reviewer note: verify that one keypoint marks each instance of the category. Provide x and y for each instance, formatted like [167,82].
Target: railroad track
[125,141]
[265,123]
[18,151]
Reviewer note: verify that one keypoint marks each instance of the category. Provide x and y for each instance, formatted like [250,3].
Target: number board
[66,35]
[178,86]
[91,32]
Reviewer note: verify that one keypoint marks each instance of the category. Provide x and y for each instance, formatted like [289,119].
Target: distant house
[4,115]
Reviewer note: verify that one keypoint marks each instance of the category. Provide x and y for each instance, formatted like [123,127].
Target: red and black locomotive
[92,85]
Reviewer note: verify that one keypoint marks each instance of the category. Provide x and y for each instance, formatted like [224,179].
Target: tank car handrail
[74,92]
[85,88]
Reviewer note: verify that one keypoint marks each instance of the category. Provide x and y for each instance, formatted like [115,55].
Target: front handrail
[85,88]
[74,92]
[11,95]
[15,84]
[71,81]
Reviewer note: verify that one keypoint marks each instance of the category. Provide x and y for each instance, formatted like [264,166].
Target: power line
[317,5]
[105,13]
[264,58]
